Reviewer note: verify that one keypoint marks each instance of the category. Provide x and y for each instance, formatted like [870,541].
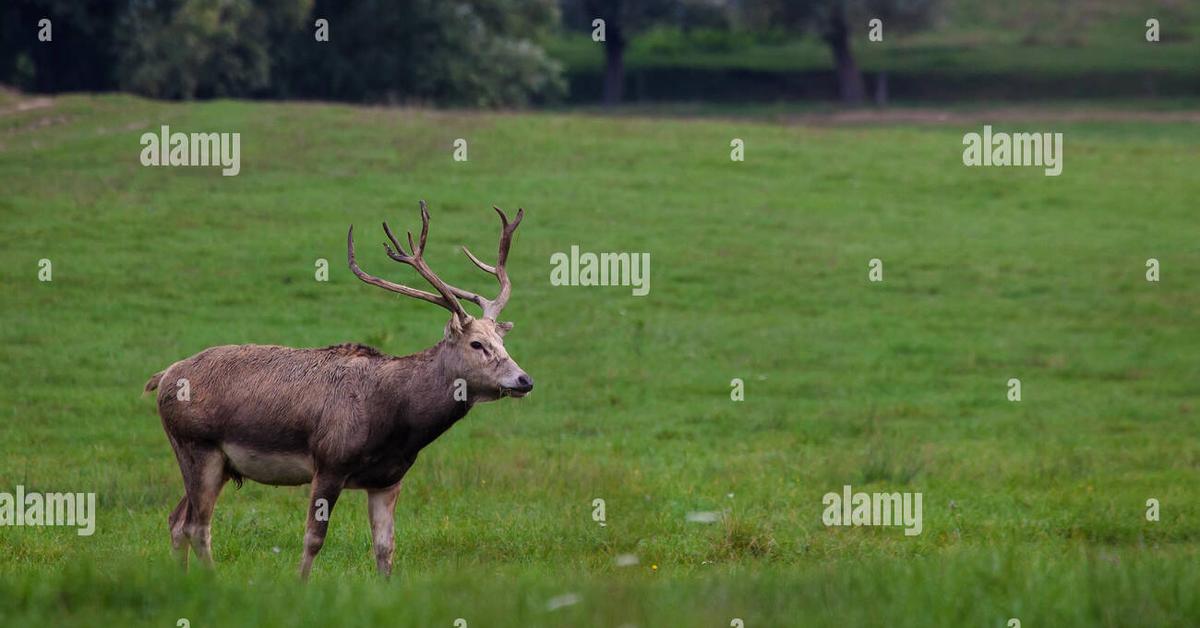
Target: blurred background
[541,53]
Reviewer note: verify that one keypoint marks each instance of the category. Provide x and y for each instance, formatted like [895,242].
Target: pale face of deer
[479,357]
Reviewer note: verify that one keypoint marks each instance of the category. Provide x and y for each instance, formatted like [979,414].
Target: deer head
[473,348]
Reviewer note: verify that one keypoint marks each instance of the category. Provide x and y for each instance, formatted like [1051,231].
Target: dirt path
[12,102]
[20,103]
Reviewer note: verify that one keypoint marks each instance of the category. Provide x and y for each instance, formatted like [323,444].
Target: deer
[341,417]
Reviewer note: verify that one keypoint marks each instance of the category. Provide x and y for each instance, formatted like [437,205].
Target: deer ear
[504,327]
[456,326]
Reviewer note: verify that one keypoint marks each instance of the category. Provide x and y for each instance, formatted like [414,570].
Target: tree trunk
[849,78]
[614,65]
[881,89]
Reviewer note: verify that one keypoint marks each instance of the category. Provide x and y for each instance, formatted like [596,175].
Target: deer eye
[475,344]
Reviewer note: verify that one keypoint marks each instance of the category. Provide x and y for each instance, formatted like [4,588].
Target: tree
[457,52]
[834,21]
[621,19]
[625,18]
[199,48]
[466,52]
[80,55]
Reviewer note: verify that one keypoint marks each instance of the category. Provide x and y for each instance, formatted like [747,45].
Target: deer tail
[152,383]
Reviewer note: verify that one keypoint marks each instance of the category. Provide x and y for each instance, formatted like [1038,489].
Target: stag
[341,417]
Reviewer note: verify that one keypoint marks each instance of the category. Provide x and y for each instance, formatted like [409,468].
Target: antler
[446,294]
[493,307]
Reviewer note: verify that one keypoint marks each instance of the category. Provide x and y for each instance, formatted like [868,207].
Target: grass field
[1032,510]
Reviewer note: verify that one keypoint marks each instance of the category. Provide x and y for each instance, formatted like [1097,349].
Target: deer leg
[381,506]
[179,540]
[203,476]
[325,491]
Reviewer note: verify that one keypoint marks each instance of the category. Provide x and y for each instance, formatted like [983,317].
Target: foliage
[199,48]
[479,53]
[634,16]
[670,41]
[81,56]
[820,15]
[461,52]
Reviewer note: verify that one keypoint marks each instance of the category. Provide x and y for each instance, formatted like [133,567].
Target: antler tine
[506,233]
[388,230]
[493,307]
[424,226]
[416,252]
[475,260]
[448,295]
[383,283]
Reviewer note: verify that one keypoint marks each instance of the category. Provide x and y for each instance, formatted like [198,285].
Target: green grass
[1033,510]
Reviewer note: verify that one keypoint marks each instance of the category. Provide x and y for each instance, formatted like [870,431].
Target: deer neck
[422,386]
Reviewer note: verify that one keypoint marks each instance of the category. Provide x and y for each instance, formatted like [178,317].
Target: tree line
[481,53]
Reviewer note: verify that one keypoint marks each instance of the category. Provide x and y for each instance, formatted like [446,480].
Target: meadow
[1033,509]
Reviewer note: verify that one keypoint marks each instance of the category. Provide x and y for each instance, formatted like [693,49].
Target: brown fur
[359,417]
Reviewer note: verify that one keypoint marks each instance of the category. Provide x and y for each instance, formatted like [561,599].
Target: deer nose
[524,383]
